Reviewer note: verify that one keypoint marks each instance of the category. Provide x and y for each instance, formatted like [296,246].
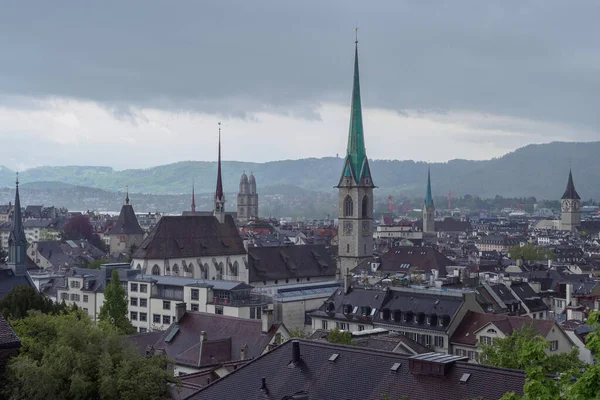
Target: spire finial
[127,195]
[356,34]
[193,198]
[17,182]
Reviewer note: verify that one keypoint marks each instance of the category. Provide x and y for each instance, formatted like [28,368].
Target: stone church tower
[355,202]
[570,217]
[429,208]
[247,199]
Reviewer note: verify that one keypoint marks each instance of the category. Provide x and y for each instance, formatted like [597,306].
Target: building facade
[355,188]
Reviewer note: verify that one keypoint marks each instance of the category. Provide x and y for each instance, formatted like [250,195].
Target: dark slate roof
[70,253]
[141,341]
[8,337]
[8,281]
[389,342]
[356,373]
[503,293]
[405,258]
[570,192]
[281,262]
[334,306]
[472,322]
[424,302]
[448,225]
[528,296]
[240,331]
[127,224]
[191,236]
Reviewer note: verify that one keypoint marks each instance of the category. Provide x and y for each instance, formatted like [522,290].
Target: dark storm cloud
[531,59]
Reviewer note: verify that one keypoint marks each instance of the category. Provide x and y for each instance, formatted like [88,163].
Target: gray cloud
[529,59]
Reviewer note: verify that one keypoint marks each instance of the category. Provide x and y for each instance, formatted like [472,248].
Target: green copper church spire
[356,151]
[428,197]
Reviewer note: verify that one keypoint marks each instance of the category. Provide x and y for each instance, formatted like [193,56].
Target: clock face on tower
[566,205]
[347,228]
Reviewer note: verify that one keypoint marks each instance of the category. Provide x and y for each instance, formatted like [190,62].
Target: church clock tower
[570,217]
[355,202]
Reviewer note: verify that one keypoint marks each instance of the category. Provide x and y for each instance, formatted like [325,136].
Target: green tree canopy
[68,357]
[531,252]
[21,299]
[97,263]
[114,310]
[339,337]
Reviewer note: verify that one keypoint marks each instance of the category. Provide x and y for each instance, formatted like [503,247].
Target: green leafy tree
[526,348]
[298,333]
[531,252]
[22,299]
[68,357]
[338,337]
[97,263]
[114,309]
[3,256]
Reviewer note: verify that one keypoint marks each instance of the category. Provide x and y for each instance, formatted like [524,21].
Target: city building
[355,190]
[126,234]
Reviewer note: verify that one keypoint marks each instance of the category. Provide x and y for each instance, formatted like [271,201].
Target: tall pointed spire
[356,141]
[17,217]
[428,197]
[17,241]
[570,192]
[193,199]
[219,191]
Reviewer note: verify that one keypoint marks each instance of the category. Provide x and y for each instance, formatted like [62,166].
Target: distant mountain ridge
[533,170]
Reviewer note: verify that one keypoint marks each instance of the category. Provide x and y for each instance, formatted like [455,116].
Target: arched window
[348,206]
[139,266]
[205,271]
[220,271]
[365,207]
[189,268]
[365,252]
[234,268]
[348,248]
[175,269]
[156,270]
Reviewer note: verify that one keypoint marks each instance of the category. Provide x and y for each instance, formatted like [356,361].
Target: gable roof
[281,262]
[8,337]
[528,296]
[405,258]
[334,306]
[356,373]
[473,322]
[8,281]
[183,344]
[127,224]
[191,236]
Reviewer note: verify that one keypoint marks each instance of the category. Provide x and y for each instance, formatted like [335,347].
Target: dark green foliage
[69,357]
[531,252]
[114,310]
[338,337]
[21,299]
[97,263]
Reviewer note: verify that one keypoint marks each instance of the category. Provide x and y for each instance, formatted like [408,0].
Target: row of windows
[349,207]
[75,284]
[74,297]
[143,287]
[464,353]
[204,270]
[143,317]
[143,302]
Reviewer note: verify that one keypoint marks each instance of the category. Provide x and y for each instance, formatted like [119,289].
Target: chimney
[267,319]
[202,340]
[347,280]
[244,352]
[179,311]
[263,386]
[295,352]
[569,294]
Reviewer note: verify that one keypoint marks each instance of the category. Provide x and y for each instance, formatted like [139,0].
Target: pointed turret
[356,165]
[219,208]
[570,192]
[428,196]
[193,199]
[17,241]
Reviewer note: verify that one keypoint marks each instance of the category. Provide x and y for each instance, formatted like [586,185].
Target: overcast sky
[132,84]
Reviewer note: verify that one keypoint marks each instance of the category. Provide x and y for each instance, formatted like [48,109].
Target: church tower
[17,242]
[243,211]
[355,201]
[571,216]
[429,208]
[252,196]
[219,208]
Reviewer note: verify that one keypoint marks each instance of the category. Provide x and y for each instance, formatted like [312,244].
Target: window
[133,316]
[195,294]
[85,309]
[143,330]
[75,284]
[219,310]
[361,327]
[156,318]
[143,317]
[143,288]
[472,355]
[134,287]
[156,270]
[143,302]
[133,301]
[64,296]
[323,324]
[75,297]
[485,340]
[85,298]
[166,305]
[348,206]
[195,307]
[439,341]
[553,345]
[365,207]
[348,248]
[166,319]
[341,326]
[175,269]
